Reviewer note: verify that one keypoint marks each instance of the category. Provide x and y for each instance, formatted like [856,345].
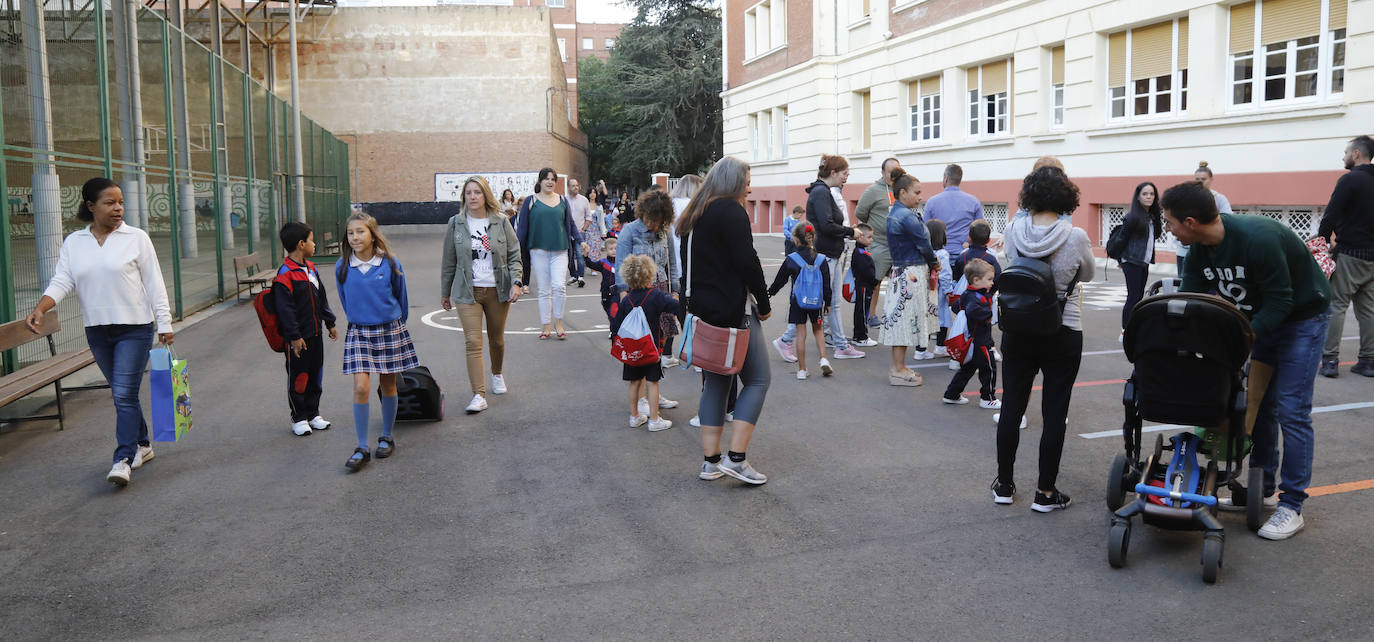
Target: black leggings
[1057,357]
[1136,275]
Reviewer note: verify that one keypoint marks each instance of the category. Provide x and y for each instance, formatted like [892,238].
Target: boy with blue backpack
[810,275]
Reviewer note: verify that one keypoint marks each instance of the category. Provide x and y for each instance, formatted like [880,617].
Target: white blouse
[118,283]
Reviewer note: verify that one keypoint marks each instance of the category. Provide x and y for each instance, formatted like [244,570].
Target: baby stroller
[1190,352]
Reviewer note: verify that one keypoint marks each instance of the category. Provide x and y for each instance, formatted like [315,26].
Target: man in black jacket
[1349,219]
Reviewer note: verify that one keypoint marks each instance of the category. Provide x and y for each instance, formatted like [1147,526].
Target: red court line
[1346,487]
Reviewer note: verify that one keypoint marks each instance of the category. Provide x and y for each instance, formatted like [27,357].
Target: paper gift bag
[170,387]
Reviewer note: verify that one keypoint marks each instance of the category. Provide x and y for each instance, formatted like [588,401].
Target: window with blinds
[1147,70]
[923,104]
[1280,53]
[863,119]
[989,102]
[1057,87]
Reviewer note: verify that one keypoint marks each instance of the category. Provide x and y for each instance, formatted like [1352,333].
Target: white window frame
[1259,76]
[587,44]
[1125,97]
[1338,38]
[765,29]
[1057,106]
[863,127]
[994,109]
[780,131]
[610,44]
[926,117]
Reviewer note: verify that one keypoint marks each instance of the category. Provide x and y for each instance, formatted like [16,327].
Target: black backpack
[1028,301]
[1117,242]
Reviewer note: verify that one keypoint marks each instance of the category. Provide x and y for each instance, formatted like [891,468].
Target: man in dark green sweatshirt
[1262,267]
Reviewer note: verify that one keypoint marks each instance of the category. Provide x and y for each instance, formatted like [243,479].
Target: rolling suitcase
[418,397]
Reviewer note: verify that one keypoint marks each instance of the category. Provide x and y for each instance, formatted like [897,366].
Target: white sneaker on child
[319,423]
[941,351]
[954,365]
[666,403]
[826,370]
[923,355]
[642,407]
[638,420]
[991,404]
[301,428]
[656,425]
[801,374]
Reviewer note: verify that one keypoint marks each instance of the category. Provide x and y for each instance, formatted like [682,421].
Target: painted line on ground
[1163,427]
[1347,487]
[428,320]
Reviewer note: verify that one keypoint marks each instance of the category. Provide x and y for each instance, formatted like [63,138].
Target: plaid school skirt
[382,349]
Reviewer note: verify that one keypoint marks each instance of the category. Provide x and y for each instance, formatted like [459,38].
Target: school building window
[780,135]
[610,44]
[1147,70]
[586,44]
[1285,51]
[1057,87]
[861,9]
[761,126]
[989,102]
[923,99]
[765,27]
[863,120]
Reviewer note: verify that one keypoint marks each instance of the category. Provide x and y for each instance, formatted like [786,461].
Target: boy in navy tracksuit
[301,306]
[978,235]
[865,281]
[606,268]
[976,303]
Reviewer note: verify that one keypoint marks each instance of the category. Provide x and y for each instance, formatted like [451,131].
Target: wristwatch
[518,284]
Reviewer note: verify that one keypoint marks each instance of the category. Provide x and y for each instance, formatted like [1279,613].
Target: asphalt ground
[547,517]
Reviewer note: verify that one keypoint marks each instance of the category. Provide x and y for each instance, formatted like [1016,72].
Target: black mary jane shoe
[359,459]
[385,446]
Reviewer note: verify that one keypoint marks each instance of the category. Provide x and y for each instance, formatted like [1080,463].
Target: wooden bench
[248,269]
[36,376]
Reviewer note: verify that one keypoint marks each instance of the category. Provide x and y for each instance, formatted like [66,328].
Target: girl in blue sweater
[372,291]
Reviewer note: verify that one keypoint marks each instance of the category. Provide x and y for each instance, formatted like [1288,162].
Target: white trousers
[550,272]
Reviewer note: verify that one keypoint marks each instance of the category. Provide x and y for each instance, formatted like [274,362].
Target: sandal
[385,446]
[562,336]
[909,379]
[359,459]
[543,336]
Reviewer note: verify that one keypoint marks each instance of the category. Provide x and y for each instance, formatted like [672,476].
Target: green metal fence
[82,97]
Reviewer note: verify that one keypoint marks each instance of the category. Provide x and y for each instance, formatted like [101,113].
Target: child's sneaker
[954,365]
[941,351]
[922,355]
[958,401]
[301,428]
[997,418]
[784,350]
[638,420]
[710,471]
[665,403]
[990,404]
[826,370]
[801,374]
[642,407]
[656,425]
[319,423]
[864,343]
[849,352]
[1049,503]
[1003,492]
[872,321]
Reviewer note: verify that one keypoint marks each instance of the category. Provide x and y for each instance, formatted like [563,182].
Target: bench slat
[28,380]
[17,333]
[247,260]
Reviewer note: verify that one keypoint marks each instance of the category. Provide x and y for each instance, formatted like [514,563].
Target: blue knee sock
[360,412]
[388,414]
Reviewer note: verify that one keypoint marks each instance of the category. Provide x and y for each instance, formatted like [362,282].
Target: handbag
[170,392]
[711,348]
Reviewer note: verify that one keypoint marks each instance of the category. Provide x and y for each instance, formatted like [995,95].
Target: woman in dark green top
[546,231]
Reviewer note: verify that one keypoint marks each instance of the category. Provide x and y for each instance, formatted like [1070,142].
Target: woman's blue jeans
[121,352]
[1295,350]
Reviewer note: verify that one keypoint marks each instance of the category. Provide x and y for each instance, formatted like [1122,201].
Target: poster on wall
[448,187]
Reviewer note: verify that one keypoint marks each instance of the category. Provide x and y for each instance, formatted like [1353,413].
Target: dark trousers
[1057,358]
[862,299]
[1136,275]
[303,375]
[985,366]
[576,268]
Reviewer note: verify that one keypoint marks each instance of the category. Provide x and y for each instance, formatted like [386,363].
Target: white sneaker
[119,473]
[659,424]
[665,403]
[301,428]
[961,400]
[1226,503]
[638,420]
[695,421]
[670,362]
[923,355]
[997,418]
[498,384]
[142,455]
[992,404]
[319,423]
[710,471]
[642,407]
[826,370]
[954,365]
[941,351]
[801,374]
[864,343]
[1121,337]
[478,404]
[1283,524]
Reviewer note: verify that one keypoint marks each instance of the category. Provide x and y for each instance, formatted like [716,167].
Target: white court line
[1163,427]
[428,320]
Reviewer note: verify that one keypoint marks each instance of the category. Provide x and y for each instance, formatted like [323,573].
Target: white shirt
[483,273]
[118,283]
[364,266]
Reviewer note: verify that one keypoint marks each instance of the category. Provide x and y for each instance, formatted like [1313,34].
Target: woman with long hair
[546,230]
[1144,225]
[909,314]
[479,270]
[509,206]
[725,288]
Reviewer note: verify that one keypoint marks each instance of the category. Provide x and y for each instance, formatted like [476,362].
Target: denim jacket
[635,238]
[455,275]
[907,240]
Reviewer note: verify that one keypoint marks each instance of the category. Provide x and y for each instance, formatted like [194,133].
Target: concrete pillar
[186,192]
[130,109]
[47,189]
[1208,93]
[248,142]
[297,155]
[219,130]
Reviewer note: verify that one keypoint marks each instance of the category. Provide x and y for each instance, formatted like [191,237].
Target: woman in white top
[1203,174]
[113,269]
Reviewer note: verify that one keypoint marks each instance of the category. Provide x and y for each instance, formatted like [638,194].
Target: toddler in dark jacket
[639,271]
[976,303]
[865,282]
[302,306]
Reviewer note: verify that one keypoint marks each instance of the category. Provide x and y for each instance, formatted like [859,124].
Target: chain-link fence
[200,148]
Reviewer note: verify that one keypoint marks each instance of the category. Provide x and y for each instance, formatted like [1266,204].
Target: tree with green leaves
[655,106]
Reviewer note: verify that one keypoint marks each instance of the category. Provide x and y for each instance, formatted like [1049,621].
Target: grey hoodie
[1065,247]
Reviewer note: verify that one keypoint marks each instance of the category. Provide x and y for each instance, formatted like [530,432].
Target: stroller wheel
[1118,542]
[1116,483]
[1254,499]
[1211,558]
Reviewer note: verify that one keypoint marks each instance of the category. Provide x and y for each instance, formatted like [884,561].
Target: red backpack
[634,343]
[266,307]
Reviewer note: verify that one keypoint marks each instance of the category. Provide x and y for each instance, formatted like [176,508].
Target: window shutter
[972,79]
[868,120]
[1152,51]
[1116,59]
[994,77]
[1183,43]
[913,89]
[1243,27]
[1057,65]
[1282,20]
[1338,8]
[930,86]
